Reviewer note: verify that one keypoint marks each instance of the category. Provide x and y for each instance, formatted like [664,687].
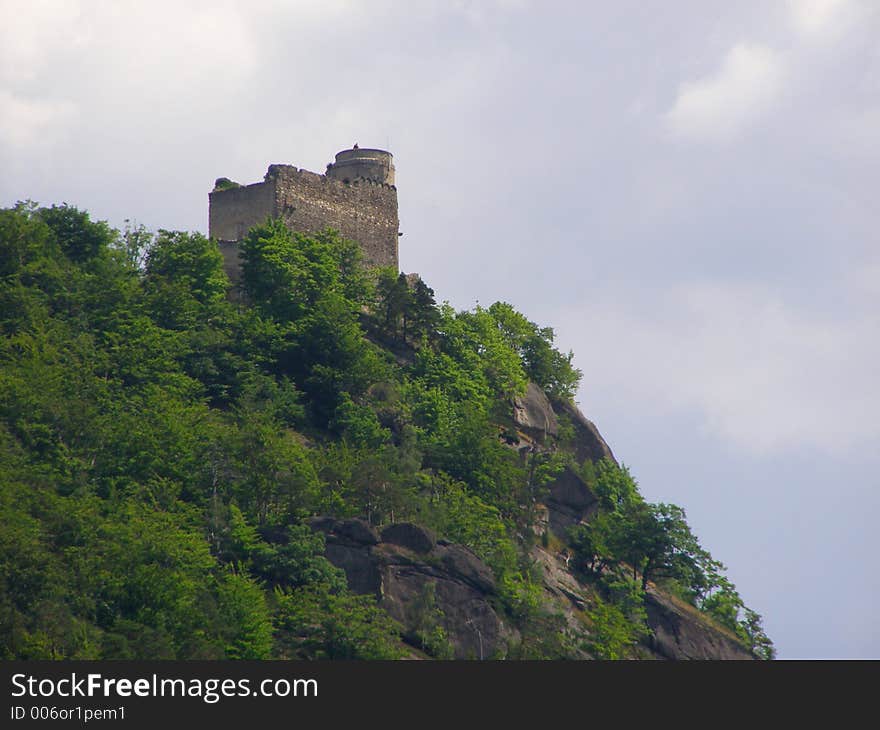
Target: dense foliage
[157,435]
[630,542]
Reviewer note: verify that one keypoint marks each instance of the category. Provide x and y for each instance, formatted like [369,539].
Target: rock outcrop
[569,502]
[405,534]
[534,415]
[682,632]
[419,579]
[588,442]
[422,581]
[348,547]
[536,419]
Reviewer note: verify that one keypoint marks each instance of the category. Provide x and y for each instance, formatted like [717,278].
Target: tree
[285,273]
[79,238]
[394,301]
[612,484]
[612,632]
[424,317]
[317,624]
[544,364]
[188,262]
[753,628]
[267,469]
[724,605]
[310,290]
[135,244]
[426,625]
[244,617]
[161,449]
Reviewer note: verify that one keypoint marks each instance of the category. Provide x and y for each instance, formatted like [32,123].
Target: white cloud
[30,122]
[822,19]
[31,32]
[719,106]
[765,376]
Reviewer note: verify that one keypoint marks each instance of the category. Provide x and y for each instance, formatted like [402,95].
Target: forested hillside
[166,444]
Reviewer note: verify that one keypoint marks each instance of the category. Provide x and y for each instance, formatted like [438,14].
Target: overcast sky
[682,189]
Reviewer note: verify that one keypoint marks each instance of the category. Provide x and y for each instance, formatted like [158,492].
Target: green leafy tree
[286,273]
[184,274]
[317,624]
[752,626]
[424,316]
[543,363]
[161,448]
[427,624]
[78,237]
[244,615]
[613,634]
[394,302]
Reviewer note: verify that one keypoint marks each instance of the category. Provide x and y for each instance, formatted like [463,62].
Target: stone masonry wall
[363,211]
[232,212]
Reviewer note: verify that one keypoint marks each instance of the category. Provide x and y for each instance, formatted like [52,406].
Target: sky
[682,189]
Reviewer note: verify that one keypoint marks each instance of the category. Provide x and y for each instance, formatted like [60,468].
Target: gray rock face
[354,530]
[361,570]
[416,538]
[348,544]
[461,589]
[681,633]
[569,502]
[464,565]
[588,443]
[533,414]
[399,567]
[471,624]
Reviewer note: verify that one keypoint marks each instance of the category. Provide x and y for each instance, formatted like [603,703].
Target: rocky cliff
[421,582]
[426,583]
[406,567]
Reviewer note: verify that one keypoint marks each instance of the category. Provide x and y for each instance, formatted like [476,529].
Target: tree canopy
[162,444]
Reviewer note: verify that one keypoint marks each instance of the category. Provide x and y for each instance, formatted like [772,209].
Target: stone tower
[356,196]
[368,164]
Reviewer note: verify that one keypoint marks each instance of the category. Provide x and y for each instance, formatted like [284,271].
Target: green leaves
[184,272]
[613,633]
[311,288]
[78,237]
[286,273]
[317,624]
[244,614]
[656,542]
[162,447]
[545,365]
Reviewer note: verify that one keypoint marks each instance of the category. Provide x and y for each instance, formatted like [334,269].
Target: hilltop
[328,464]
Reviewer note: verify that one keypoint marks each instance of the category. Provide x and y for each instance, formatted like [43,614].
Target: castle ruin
[356,196]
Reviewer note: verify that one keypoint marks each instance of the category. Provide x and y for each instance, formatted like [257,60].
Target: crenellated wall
[232,212]
[361,209]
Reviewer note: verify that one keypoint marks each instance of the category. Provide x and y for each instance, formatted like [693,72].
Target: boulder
[355,531]
[414,537]
[533,414]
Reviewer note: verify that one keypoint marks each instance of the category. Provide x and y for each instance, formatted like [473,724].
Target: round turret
[371,164]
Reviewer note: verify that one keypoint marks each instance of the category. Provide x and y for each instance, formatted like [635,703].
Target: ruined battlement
[368,164]
[356,196]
